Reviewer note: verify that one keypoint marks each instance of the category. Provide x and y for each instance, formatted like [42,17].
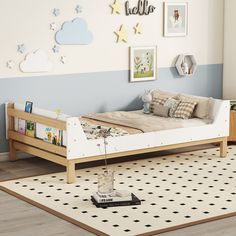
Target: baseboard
[20,155]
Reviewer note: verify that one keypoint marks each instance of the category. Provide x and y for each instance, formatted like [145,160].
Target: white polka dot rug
[175,191]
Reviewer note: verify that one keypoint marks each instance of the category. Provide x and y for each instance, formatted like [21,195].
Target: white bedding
[145,122]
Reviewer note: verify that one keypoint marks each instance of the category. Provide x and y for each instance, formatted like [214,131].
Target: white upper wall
[28,22]
[229,85]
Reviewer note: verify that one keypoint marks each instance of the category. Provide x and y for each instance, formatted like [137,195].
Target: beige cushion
[160,97]
[204,106]
[185,110]
[160,110]
[164,93]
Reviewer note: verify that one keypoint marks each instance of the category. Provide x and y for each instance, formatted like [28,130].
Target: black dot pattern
[173,190]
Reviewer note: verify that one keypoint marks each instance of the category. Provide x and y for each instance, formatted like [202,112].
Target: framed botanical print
[175,19]
[142,64]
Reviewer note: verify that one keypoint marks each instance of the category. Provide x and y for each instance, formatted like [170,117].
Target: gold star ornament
[122,35]
[115,7]
[137,29]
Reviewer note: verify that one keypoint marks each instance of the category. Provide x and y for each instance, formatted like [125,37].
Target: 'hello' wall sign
[143,8]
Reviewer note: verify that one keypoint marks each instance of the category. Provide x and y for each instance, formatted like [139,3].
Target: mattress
[135,122]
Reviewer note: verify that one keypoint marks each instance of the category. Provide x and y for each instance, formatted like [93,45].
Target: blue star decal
[53,26]
[10,64]
[55,49]
[56,12]
[78,9]
[63,59]
[21,48]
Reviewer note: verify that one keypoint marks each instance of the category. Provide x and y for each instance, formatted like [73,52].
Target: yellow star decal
[115,7]
[137,29]
[121,35]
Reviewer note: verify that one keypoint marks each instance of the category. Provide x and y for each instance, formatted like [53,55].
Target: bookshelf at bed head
[38,116]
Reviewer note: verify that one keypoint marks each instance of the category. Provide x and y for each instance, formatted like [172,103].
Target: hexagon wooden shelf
[186,65]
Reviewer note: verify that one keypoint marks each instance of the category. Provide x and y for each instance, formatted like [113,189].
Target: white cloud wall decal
[37,61]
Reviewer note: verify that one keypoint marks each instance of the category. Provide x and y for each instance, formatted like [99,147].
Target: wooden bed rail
[40,153]
[38,143]
[58,124]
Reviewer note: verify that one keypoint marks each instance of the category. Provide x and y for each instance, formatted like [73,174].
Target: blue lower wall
[104,91]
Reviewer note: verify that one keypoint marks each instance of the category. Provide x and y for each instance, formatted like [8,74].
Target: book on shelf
[53,136]
[21,126]
[30,129]
[28,106]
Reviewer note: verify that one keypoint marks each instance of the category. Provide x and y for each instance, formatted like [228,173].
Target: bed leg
[223,147]
[12,151]
[70,169]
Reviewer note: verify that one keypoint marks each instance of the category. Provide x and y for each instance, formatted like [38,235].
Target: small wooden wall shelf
[190,62]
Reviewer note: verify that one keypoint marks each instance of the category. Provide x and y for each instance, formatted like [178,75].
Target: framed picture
[176,19]
[28,106]
[142,64]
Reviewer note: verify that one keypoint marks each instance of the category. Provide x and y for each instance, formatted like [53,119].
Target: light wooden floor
[18,218]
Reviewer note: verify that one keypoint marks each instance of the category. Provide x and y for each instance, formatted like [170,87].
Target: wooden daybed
[79,149]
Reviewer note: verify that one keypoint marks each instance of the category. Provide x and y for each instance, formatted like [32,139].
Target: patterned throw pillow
[172,104]
[185,110]
[159,100]
[204,106]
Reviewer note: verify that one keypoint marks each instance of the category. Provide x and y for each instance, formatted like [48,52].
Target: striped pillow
[204,106]
[157,100]
[185,109]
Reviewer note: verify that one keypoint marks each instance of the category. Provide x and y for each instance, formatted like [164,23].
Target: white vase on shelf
[185,68]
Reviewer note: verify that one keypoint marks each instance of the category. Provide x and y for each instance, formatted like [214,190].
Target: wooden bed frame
[59,154]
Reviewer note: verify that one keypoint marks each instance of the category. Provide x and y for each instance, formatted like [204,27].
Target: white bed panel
[79,147]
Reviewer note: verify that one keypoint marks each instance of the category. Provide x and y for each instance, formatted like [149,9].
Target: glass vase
[106,182]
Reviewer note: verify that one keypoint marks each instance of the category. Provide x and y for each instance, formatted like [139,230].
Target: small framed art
[142,64]
[28,107]
[175,19]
